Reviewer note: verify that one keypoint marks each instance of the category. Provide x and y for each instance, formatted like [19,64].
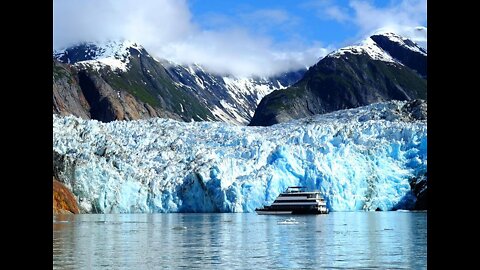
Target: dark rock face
[108,104]
[144,90]
[419,188]
[417,109]
[86,94]
[349,81]
[96,92]
[68,97]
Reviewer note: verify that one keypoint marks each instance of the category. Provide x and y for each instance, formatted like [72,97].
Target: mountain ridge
[184,92]
[349,77]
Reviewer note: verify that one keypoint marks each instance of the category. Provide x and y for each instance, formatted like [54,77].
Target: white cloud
[165,29]
[236,52]
[401,17]
[336,13]
[146,21]
[407,13]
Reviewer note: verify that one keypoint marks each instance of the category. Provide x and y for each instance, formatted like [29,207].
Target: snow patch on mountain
[231,99]
[404,42]
[113,54]
[360,159]
[417,34]
[369,47]
[257,88]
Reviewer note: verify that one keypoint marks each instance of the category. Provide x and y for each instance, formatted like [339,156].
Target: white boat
[295,200]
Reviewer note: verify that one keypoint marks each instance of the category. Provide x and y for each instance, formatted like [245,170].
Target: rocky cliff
[64,202]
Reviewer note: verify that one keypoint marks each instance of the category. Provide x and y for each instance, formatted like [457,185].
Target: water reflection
[240,241]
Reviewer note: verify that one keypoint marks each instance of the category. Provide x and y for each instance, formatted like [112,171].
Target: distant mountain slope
[87,95]
[228,98]
[160,88]
[383,67]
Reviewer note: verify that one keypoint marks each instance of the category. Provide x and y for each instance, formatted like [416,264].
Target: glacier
[360,159]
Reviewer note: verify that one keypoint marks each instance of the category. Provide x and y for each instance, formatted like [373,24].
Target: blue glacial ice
[360,159]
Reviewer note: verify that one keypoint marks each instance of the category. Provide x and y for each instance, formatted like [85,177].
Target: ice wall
[360,159]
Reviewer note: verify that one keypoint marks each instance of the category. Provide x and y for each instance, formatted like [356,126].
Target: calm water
[393,240]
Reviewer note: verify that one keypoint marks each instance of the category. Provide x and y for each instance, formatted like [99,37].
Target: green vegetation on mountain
[335,83]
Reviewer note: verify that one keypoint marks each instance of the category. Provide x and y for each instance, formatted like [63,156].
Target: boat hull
[289,212]
[267,212]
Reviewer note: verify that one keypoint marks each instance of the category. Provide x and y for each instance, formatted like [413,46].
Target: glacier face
[360,159]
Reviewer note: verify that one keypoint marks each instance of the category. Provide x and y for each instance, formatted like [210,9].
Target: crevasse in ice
[360,159]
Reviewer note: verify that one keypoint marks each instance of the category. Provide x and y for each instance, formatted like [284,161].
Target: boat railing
[295,189]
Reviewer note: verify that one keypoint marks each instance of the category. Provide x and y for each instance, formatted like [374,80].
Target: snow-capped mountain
[389,47]
[377,51]
[114,54]
[127,66]
[404,51]
[230,99]
[380,68]
[117,81]
[366,47]
[367,158]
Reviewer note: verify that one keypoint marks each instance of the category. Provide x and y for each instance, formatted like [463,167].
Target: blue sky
[283,20]
[335,23]
[244,37]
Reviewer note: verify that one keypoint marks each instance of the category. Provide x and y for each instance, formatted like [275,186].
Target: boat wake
[288,221]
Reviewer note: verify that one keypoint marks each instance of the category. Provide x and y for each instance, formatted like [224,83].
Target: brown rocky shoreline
[64,202]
